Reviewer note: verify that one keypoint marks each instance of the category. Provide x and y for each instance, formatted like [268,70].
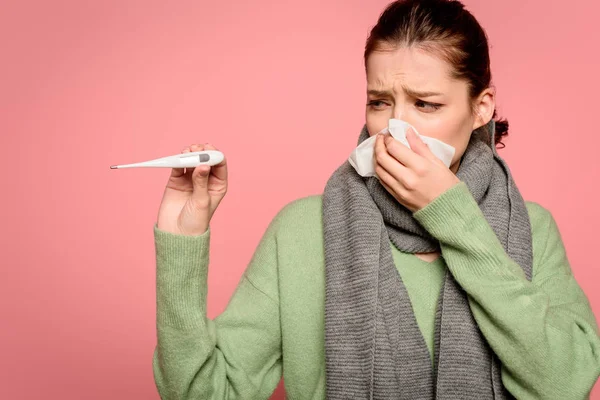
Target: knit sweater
[543,330]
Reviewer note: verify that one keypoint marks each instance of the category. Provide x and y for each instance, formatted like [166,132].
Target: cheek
[376,123]
[453,131]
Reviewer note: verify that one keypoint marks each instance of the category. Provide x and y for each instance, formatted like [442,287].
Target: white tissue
[363,160]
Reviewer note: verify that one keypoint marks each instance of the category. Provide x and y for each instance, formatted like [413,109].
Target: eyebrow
[409,91]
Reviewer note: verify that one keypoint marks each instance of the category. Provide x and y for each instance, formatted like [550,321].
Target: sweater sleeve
[235,356]
[544,331]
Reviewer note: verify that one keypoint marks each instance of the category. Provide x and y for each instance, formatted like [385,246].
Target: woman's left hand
[414,176]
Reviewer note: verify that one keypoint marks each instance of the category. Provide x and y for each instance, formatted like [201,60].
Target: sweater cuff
[453,208]
[471,245]
[181,278]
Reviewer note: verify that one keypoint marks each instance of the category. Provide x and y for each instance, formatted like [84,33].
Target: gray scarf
[373,346]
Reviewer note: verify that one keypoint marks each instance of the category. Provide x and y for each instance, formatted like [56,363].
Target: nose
[398,110]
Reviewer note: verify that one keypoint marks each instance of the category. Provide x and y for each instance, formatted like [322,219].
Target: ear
[484,107]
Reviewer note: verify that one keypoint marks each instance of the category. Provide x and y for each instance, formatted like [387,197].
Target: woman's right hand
[191,197]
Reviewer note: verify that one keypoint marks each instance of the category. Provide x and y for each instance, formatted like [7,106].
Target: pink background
[87,84]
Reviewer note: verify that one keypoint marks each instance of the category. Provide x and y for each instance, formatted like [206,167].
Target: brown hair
[444,27]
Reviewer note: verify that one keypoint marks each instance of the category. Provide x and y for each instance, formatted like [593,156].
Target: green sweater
[543,331]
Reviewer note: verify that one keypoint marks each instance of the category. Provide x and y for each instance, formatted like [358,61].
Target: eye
[427,107]
[377,104]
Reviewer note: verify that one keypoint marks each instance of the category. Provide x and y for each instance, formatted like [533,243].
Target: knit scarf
[373,346]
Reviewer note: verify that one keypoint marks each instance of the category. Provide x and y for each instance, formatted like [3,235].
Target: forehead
[412,66]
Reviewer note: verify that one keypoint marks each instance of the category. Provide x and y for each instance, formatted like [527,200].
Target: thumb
[200,178]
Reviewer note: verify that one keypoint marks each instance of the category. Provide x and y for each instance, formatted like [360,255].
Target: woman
[424,282]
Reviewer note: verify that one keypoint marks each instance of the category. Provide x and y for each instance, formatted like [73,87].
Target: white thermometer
[183,160]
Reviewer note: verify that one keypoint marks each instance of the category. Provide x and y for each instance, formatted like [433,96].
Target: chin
[455,165]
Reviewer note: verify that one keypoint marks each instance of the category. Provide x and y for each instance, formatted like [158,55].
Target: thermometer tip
[113,167]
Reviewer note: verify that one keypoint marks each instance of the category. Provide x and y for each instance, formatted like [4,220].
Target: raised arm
[543,331]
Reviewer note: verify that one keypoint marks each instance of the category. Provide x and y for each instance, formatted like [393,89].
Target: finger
[219,170]
[385,178]
[200,177]
[419,146]
[402,153]
[391,165]
[177,172]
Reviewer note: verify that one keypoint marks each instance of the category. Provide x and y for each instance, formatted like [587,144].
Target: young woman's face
[413,85]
